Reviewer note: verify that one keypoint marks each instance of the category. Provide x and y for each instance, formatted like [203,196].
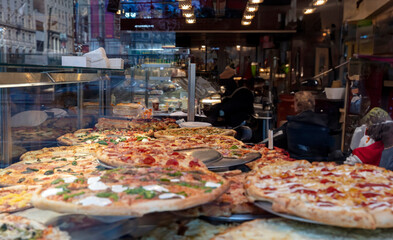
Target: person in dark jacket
[237,103]
[238,106]
[305,135]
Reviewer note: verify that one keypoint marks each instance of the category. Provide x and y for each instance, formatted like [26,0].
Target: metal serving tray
[236,217]
[267,206]
[226,163]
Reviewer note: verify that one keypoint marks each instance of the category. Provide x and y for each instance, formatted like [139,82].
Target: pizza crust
[383,217]
[337,215]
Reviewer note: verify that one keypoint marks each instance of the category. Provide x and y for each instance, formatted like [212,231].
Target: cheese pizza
[359,196]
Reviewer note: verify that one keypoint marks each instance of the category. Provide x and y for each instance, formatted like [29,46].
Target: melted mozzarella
[175,180]
[50,192]
[93,200]
[93,180]
[155,188]
[69,179]
[95,186]
[88,141]
[212,184]
[119,188]
[145,140]
[170,195]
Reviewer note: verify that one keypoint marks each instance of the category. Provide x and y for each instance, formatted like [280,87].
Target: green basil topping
[65,185]
[183,193]
[110,195]
[142,192]
[80,180]
[234,147]
[68,196]
[102,142]
[90,138]
[49,172]
[186,184]
[140,138]
[175,174]
[21,180]
[30,170]
[74,163]
[164,180]
[3,227]
[59,180]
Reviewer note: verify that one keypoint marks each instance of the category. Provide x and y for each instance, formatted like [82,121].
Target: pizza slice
[17,227]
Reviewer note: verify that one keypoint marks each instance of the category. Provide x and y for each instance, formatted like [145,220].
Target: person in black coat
[305,135]
[237,103]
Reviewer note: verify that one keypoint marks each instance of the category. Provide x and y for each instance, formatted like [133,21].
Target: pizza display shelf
[20,80]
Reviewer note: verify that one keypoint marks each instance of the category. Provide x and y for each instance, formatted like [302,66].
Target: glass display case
[158,86]
[40,103]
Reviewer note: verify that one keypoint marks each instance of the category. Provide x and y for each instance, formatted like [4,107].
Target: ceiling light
[308,10]
[251,7]
[203,47]
[246,22]
[238,47]
[319,2]
[249,15]
[188,13]
[186,5]
[190,20]
[256,1]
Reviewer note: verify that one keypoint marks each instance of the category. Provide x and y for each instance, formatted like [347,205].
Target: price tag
[270,139]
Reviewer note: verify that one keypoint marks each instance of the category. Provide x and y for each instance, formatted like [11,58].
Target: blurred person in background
[305,135]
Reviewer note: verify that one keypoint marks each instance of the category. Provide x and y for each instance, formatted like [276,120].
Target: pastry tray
[227,163]
[235,218]
[267,206]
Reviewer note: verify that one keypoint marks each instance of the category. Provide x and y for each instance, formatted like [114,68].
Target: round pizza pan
[226,163]
[236,217]
[206,155]
[267,206]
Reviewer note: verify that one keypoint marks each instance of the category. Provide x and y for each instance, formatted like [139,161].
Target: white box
[102,63]
[116,63]
[96,55]
[335,93]
[75,61]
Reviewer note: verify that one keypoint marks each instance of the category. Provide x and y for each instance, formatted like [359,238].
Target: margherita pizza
[89,135]
[131,191]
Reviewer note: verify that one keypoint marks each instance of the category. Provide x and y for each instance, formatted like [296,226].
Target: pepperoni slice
[265,177]
[370,194]
[364,185]
[149,160]
[332,190]
[324,181]
[194,164]
[306,191]
[172,162]
[142,150]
